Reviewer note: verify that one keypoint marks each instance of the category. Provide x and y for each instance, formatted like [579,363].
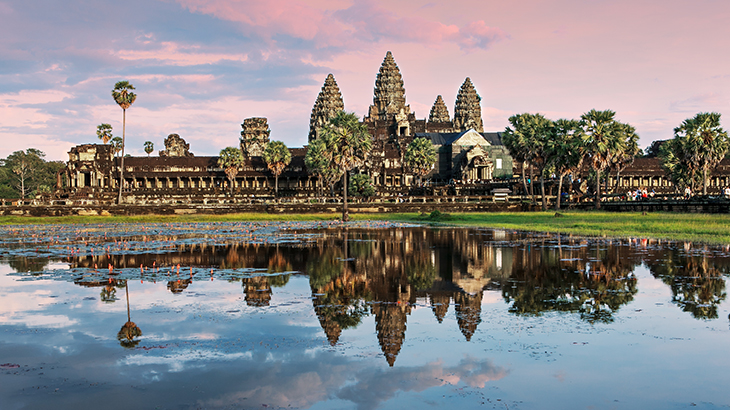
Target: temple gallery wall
[470,160]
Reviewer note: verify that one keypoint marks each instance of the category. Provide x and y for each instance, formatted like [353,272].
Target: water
[374,316]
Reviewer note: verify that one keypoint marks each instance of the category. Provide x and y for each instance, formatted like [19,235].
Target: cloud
[375,386]
[697,103]
[361,23]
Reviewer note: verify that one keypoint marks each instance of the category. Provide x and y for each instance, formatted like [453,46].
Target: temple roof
[448,138]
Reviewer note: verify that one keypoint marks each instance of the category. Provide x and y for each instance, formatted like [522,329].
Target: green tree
[104,132]
[420,157]
[361,186]
[678,169]
[117,145]
[529,139]
[318,160]
[349,143]
[149,147]
[230,159]
[125,98]
[603,141]
[277,157]
[699,144]
[516,142]
[565,151]
[24,169]
[629,148]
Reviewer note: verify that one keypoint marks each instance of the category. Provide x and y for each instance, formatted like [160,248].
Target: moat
[367,315]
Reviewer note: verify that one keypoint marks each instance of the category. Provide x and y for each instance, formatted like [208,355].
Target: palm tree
[277,157]
[565,151]
[349,142]
[601,143]
[317,161]
[230,159]
[629,150]
[529,140]
[122,96]
[104,132]
[420,157]
[116,145]
[706,143]
[516,142]
[149,147]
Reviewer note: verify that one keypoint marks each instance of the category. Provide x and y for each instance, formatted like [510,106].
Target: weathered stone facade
[176,147]
[439,113]
[255,136]
[329,102]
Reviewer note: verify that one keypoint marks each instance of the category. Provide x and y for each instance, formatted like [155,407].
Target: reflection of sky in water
[210,346]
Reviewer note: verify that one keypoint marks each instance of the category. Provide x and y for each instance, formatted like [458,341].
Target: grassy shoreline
[674,226]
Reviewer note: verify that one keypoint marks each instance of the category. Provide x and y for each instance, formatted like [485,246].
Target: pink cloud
[343,25]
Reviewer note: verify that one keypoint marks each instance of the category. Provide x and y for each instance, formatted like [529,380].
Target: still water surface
[358,316]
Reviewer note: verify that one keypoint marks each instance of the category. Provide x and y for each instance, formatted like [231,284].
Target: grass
[675,226]
[708,228]
[23,220]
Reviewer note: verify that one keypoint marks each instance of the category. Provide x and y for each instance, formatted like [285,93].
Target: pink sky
[202,66]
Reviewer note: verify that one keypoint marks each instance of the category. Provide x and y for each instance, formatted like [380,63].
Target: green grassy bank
[709,228]
[691,227]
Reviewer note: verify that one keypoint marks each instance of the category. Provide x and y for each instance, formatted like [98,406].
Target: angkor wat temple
[468,157]
[465,152]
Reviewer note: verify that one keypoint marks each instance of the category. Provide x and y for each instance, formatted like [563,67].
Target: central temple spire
[389,97]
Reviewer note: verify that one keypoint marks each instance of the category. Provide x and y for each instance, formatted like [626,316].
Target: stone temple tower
[328,104]
[389,97]
[255,136]
[468,110]
[439,112]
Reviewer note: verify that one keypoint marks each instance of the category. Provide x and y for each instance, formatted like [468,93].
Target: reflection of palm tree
[130,330]
[697,286]
[544,281]
[108,294]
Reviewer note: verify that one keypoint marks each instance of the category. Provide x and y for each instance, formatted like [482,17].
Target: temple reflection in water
[354,273]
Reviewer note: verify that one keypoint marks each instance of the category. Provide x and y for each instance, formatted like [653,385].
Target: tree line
[26,174]
[597,140]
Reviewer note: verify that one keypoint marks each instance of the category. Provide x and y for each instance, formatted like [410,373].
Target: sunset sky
[201,66]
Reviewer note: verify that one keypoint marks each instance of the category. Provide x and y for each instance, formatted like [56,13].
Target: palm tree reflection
[697,283]
[130,331]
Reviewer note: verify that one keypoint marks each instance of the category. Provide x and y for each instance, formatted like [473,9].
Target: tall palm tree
[528,141]
[629,149]
[104,132]
[277,157]
[601,143]
[230,159]
[420,157]
[565,151]
[706,142]
[125,98]
[350,143]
